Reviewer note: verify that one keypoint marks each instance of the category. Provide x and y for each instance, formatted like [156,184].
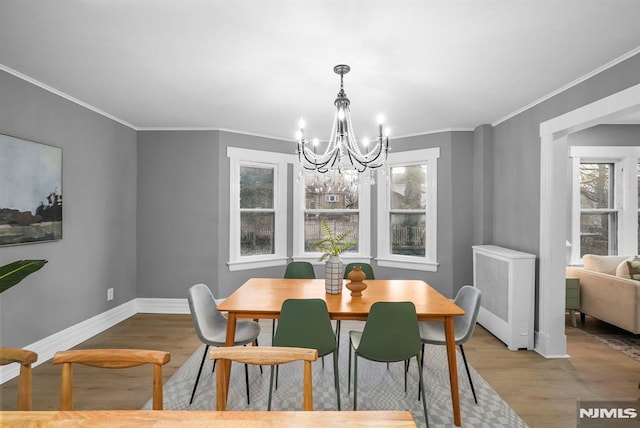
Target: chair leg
[421,388]
[349,369]
[421,367]
[406,369]
[270,386]
[336,379]
[355,382]
[246,380]
[466,366]
[204,356]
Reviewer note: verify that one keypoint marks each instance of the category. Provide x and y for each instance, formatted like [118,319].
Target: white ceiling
[258,66]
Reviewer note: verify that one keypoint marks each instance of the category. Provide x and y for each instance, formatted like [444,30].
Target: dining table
[262,298]
[203,418]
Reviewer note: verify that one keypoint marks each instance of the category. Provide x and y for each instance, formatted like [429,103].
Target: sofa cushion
[634,268]
[602,264]
[622,271]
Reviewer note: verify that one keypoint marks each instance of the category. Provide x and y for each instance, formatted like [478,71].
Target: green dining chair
[305,323]
[301,270]
[390,334]
[296,270]
[366,268]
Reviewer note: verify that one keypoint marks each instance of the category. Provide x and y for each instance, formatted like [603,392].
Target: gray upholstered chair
[432,333]
[211,327]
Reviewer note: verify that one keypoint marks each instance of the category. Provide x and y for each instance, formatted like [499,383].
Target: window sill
[408,264]
[256,264]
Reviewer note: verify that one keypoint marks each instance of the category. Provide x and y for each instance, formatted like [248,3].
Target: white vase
[333,272]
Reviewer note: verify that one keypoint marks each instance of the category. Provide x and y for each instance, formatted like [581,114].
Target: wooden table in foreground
[196,418]
[262,298]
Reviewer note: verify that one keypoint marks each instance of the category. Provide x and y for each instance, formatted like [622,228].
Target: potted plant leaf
[332,245]
[15,272]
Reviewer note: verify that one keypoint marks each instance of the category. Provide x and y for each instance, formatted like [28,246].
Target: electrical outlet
[109,294]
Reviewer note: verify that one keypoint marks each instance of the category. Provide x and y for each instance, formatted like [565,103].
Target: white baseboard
[162,306]
[78,333]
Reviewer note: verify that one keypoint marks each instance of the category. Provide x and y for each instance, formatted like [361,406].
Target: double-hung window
[342,199]
[257,208]
[407,212]
[605,202]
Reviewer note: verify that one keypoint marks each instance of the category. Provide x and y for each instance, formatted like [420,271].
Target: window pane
[598,234]
[339,223]
[407,234]
[408,187]
[596,181]
[331,190]
[256,233]
[256,187]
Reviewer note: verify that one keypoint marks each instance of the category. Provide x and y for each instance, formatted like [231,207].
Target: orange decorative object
[355,284]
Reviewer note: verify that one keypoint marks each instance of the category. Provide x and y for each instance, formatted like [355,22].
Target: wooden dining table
[200,418]
[260,298]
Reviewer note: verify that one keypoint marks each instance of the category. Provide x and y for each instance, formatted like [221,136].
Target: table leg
[225,365]
[453,368]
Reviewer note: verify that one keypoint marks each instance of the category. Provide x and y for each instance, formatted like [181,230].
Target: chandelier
[343,152]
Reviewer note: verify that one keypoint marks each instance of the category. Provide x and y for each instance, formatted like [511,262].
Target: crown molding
[65,96]
[579,80]
[570,85]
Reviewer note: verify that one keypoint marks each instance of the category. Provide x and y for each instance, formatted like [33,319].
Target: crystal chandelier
[343,151]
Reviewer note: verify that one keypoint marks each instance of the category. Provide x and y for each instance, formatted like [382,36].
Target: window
[598,214]
[257,208]
[341,199]
[606,201]
[407,196]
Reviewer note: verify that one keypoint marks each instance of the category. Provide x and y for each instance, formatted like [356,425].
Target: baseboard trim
[162,306]
[78,333]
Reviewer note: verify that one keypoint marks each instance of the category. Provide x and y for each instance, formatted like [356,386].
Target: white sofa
[607,291]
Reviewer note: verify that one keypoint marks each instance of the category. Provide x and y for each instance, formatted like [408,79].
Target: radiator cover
[506,279]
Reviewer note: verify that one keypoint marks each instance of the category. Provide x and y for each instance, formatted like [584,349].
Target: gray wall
[607,135]
[516,156]
[183,211]
[98,248]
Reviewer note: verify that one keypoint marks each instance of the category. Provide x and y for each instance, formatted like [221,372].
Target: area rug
[379,388]
[628,344]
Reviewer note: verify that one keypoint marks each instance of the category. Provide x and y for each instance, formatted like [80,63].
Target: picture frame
[30,191]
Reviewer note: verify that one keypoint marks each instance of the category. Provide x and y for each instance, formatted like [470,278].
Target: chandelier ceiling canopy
[343,151]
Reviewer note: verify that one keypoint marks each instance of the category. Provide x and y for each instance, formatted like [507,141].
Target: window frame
[428,262]
[625,193]
[364,224]
[239,157]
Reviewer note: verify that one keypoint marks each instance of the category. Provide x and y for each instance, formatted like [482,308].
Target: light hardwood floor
[543,392]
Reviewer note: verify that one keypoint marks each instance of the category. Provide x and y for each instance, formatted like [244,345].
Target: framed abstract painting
[30,191]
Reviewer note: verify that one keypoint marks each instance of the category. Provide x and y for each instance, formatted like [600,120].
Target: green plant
[332,244]
[15,272]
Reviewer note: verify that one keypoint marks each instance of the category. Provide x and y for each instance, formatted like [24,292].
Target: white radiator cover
[506,279]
